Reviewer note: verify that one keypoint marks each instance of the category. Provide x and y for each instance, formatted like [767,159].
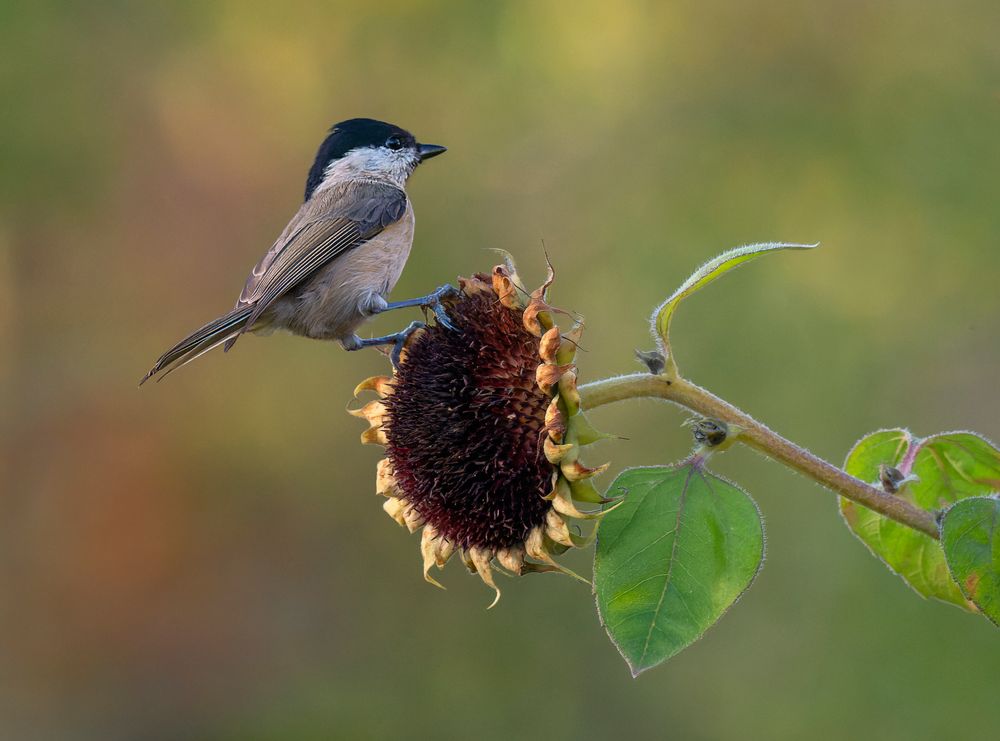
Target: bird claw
[397,340]
[432,301]
[400,341]
[445,291]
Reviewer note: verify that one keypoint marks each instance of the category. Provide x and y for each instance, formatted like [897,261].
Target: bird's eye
[394,142]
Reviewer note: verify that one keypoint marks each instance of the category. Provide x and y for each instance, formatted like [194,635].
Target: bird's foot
[397,340]
[432,301]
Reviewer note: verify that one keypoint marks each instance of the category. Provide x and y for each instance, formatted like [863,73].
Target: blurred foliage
[206,558]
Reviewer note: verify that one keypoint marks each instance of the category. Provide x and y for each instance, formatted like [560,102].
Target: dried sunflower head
[482,430]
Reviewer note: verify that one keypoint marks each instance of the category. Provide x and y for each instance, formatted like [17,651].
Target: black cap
[352,134]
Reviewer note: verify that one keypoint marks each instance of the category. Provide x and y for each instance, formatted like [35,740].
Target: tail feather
[198,343]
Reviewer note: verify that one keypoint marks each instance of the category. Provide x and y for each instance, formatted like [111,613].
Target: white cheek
[380,164]
[396,165]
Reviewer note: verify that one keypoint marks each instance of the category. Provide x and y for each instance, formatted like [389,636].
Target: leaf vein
[670,566]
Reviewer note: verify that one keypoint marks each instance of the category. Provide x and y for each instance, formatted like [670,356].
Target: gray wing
[332,222]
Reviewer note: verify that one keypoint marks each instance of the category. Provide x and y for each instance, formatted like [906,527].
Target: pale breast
[333,303]
[386,253]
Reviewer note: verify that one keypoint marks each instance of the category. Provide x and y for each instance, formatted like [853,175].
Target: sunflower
[482,430]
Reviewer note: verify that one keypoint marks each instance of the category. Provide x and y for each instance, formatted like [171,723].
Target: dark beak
[426,151]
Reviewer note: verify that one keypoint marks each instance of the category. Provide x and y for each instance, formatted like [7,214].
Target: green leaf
[672,558]
[945,468]
[970,535]
[709,272]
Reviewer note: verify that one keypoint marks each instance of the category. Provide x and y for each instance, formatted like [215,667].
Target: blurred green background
[206,558]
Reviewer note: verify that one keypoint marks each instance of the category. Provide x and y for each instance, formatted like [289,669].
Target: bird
[339,257]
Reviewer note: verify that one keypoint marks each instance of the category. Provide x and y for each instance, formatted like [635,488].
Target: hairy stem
[757,436]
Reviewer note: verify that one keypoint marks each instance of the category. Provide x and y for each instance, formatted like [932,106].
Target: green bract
[672,558]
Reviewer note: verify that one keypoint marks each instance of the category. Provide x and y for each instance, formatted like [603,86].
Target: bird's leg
[397,340]
[431,301]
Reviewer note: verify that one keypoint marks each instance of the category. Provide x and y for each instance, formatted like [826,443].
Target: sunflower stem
[682,392]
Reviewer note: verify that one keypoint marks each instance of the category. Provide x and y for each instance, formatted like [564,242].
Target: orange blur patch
[850,514]
[971,584]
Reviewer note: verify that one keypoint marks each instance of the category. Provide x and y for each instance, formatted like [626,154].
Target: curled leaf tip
[707,273]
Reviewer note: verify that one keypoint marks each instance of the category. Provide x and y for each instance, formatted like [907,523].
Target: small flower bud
[710,432]
[654,360]
[890,478]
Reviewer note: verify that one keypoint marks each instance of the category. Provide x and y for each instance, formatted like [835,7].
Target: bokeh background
[206,558]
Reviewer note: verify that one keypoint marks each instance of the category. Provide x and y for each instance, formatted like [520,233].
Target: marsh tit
[339,257]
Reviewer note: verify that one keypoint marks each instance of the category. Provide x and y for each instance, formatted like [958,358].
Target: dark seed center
[465,426]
